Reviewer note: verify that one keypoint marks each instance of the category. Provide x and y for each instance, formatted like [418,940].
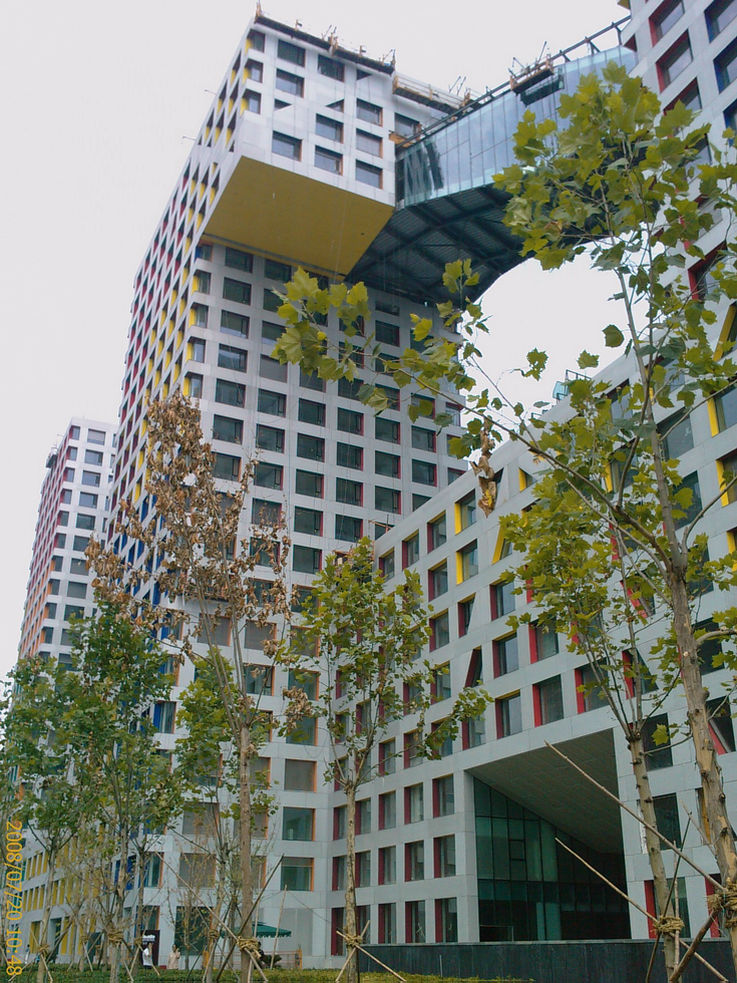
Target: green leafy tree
[624,183]
[358,667]
[211,591]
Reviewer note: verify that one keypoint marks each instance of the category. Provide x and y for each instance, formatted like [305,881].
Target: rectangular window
[387,430]
[405,126]
[465,613]
[165,712]
[309,483]
[349,456]
[271,331]
[368,143]
[255,70]
[725,66]
[83,521]
[414,804]
[502,599]
[349,492]
[294,85]
[387,757]
[688,512]
[286,146]
[226,466]
[423,440]
[414,918]
[414,861]
[230,393]
[386,464]
[308,521]
[267,475]
[363,868]
[665,17]
[368,174]
[727,468]
[441,683]
[264,512]
[275,270]
[725,405]
[508,715]
[87,500]
[298,824]
[330,128]
[274,404]
[439,631]
[466,511]
[677,435]
[387,334]
[330,68]
[328,160]
[368,112]
[193,385]
[311,412]
[252,101]
[232,358]
[290,52]
[718,15]
[436,533]
[232,323]
[92,457]
[443,796]
[675,61]
[258,680]
[312,448]
[437,580]
[590,695]
[386,565]
[271,368]
[237,290]
[269,439]
[306,560]
[311,380]
[544,642]
[444,849]
[236,259]
[228,429]
[666,813]
[348,528]
[658,755]
[93,436]
[387,499]
[349,388]
[91,478]
[296,873]
[350,421]
[256,40]
[388,864]
[468,561]
[299,776]
[388,810]
[506,655]
[548,701]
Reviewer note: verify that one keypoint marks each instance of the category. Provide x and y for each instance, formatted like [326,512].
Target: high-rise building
[317,156]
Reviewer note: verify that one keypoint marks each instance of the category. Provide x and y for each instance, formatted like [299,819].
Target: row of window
[680,55]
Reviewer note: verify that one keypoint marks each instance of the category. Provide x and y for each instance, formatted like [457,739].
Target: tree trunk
[117,947]
[720,829]
[244,839]
[663,897]
[43,935]
[214,926]
[350,922]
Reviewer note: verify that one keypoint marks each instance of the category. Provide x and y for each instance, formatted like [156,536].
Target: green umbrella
[269,931]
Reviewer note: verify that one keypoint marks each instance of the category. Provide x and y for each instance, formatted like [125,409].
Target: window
[87,500]
[368,112]
[725,66]
[424,473]
[674,61]
[349,421]
[439,631]
[230,393]
[350,456]
[414,918]
[164,716]
[441,683]
[405,126]
[91,478]
[386,565]
[193,385]
[468,561]
[348,528]
[196,870]
[297,824]
[508,715]
[237,290]
[271,368]
[308,521]
[548,701]
[678,435]
[309,483]
[294,85]
[363,868]
[232,358]
[411,550]
[349,388]
[368,174]
[506,655]
[387,499]
[348,492]
[290,52]
[256,40]
[437,580]
[274,404]
[233,323]
[330,128]
[328,160]
[386,464]
[414,861]
[388,864]
[271,331]
[285,146]
[236,259]
[296,873]
[388,810]
[544,642]
[666,813]
[688,511]
[299,776]
[665,17]
[228,429]
[658,755]
[725,405]
[363,816]
[258,679]
[465,613]
[305,559]
[442,796]
[387,430]
[718,15]
[590,693]
[387,757]
[93,436]
[92,457]
[83,521]
[310,380]
[311,412]
[444,849]
[269,438]
[466,511]
[436,533]
[502,598]
[721,726]
[423,440]
[267,475]
[368,143]
[313,448]
[727,468]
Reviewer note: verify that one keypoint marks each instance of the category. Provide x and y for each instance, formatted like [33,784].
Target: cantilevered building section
[73,507]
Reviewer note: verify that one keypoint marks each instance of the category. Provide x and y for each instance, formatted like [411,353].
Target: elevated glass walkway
[447,206]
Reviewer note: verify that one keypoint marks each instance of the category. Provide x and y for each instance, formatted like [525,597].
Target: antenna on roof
[458,84]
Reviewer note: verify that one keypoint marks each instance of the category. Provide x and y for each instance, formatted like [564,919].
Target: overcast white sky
[99,101]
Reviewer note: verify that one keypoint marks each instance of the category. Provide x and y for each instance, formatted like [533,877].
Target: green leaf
[613,337]
[587,361]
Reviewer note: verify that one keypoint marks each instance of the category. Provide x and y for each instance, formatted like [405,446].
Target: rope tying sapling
[669,925]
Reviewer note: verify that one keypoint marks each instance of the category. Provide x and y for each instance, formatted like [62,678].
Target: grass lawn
[62,975]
